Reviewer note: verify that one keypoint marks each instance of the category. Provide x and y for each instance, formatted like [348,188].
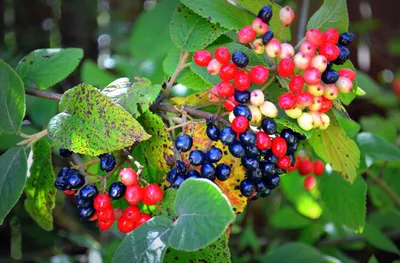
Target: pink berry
[347,73]
[312,76]
[258,46]
[316,118]
[308,48]
[316,90]
[315,37]
[212,96]
[246,35]
[286,15]
[319,62]
[303,98]
[287,51]
[309,183]
[228,71]
[259,26]
[302,61]
[286,67]
[316,104]
[344,85]
[257,97]
[296,83]
[287,101]
[330,51]
[128,176]
[331,92]
[213,67]
[242,80]
[331,36]
[223,55]
[225,89]
[259,75]
[273,48]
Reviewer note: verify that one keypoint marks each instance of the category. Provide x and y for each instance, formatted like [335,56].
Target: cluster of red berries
[308,168]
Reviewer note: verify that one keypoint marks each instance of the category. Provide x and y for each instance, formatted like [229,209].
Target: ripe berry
[246,35]
[107,162]
[308,48]
[289,136]
[118,213]
[344,85]
[267,168]
[305,167]
[319,167]
[309,183]
[247,138]
[319,62]
[236,149]
[242,96]
[273,48]
[258,46]
[256,115]
[265,14]
[331,92]
[74,179]
[246,187]
[117,190]
[267,37]
[270,157]
[315,37]
[316,104]
[240,124]
[82,202]
[347,73]
[259,26]
[268,109]
[265,193]
[326,105]
[305,121]
[296,83]
[106,214]
[178,181]
[287,101]
[88,191]
[242,110]
[208,171]
[214,155]
[302,61]
[133,194]
[192,174]
[330,51]
[252,151]
[303,98]
[287,51]
[65,153]
[213,67]
[225,89]
[102,202]
[242,80]
[331,36]
[286,67]
[263,141]
[240,59]
[273,181]
[257,97]
[312,76]
[69,192]
[223,55]
[294,113]
[254,175]
[128,176]
[143,219]
[152,194]
[132,213]
[346,38]
[228,71]
[279,146]
[250,163]
[126,225]
[183,143]
[213,132]
[171,175]
[104,225]
[269,126]
[222,172]
[202,58]
[329,76]
[230,103]
[316,90]
[180,167]
[286,15]
[228,135]
[85,213]
[284,162]
[259,74]
[343,56]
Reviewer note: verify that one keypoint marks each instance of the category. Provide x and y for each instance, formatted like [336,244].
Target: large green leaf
[40,110]
[333,13]
[147,243]
[378,196]
[191,32]
[134,97]
[166,207]
[386,128]
[204,215]
[335,148]
[12,99]
[13,170]
[91,73]
[351,127]
[91,123]
[42,68]
[39,189]
[295,253]
[376,238]
[346,202]
[287,218]
[377,148]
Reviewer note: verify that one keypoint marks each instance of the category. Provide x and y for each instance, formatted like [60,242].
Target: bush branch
[384,187]
[43,94]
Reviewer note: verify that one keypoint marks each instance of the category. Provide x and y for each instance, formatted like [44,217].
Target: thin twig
[303,19]
[269,82]
[384,187]
[85,165]
[171,128]
[181,65]
[296,48]
[43,94]
[32,138]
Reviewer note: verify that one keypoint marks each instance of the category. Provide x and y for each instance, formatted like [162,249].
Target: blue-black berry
[242,96]
[248,138]
[214,155]
[240,59]
[247,187]
[89,191]
[63,172]
[250,163]
[171,175]
[272,181]
[346,38]
[289,136]
[86,213]
[329,76]
[117,190]
[270,157]
[252,151]
[267,37]
[269,126]
[222,172]
[180,167]
[265,14]
[82,202]
[254,175]
[228,135]
[343,56]
[184,143]
[237,149]
[75,179]
[192,174]
[242,110]
[177,182]
[267,168]
[213,132]
[65,152]
[197,157]
[208,171]
[107,162]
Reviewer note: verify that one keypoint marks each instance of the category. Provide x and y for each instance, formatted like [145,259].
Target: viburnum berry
[106,214]
[242,80]
[85,213]
[316,103]
[69,192]
[257,97]
[222,172]
[247,187]
[256,115]
[346,38]
[265,14]
[287,101]
[344,85]
[202,58]
[331,36]
[316,90]
[303,98]
[269,126]
[315,37]
[273,48]
[143,219]
[325,122]
[319,167]
[259,26]
[316,118]
[152,194]
[102,202]
[230,103]
[347,73]
[105,225]
[330,51]
[329,76]
[287,51]
[286,67]
[343,56]
[310,182]
[286,15]
[240,59]
[326,105]
[133,194]
[213,67]
[118,213]
[246,35]
[305,166]
[223,55]
[305,121]
[212,96]
[319,62]
[184,142]
[312,76]
[126,225]
[128,176]
[283,162]
[308,48]
[263,141]
[132,212]
[296,83]
[116,190]
[228,71]
[259,74]
[279,146]
[331,92]
[258,46]
[226,89]
[267,37]
[65,153]
[294,113]
[268,109]
[302,61]
[240,124]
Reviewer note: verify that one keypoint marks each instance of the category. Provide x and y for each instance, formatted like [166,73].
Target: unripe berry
[230,103]
[212,96]
[273,48]
[326,105]
[315,37]
[296,83]
[258,46]
[223,55]
[308,48]
[246,35]
[242,80]
[228,71]
[128,176]
[269,109]
[312,76]
[231,116]
[309,183]
[302,61]
[344,85]
[286,15]
[303,98]
[347,73]
[287,101]
[256,116]
[305,121]
[316,90]
[331,92]
[259,74]
[213,67]
[225,89]
[319,62]
[331,36]
[257,97]
[286,67]
[330,51]
[316,104]
[319,167]
[259,26]
[325,122]
[202,58]
[316,118]
[240,124]
[294,113]
[287,51]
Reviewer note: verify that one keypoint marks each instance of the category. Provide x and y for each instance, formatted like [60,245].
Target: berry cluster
[308,168]
[93,205]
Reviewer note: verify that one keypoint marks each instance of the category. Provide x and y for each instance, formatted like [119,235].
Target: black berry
[178,181]
[222,172]
[65,152]
[240,59]
[267,37]
[242,110]
[197,157]
[236,149]
[171,175]
[343,56]
[346,38]
[265,14]
[247,187]
[107,162]
[250,163]
[228,135]
[184,143]
[89,191]
[75,179]
[117,190]
[329,76]
[208,171]
[86,213]
[242,96]
[213,132]
[248,138]
[273,181]
[269,126]
[192,174]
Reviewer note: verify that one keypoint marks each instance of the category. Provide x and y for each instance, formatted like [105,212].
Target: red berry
[259,74]
[263,141]
[93,218]
[305,167]
[295,166]
[319,167]
[118,213]
[279,147]
[310,182]
[273,48]
[126,225]
[286,67]
[315,37]
[102,202]
[133,194]
[347,73]
[331,36]
[287,101]
[296,83]
[225,89]
[330,51]
[326,105]
[230,103]
[132,213]
[106,214]
[284,162]
[240,124]
[228,71]
[152,194]
[213,95]
[247,34]
[202,58]
[104,225]
[69,192]
[242,80]
[128,176]
[312,76]
[223,55]
[259,26]
[143,219]
[304,98]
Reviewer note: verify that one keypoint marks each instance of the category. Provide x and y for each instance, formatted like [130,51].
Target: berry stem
[281,30]
[43,94]
[31,139]
[137,164]
[181,65]
[384,187]
[184,124]
[85,165]
[269,82]
[144,181]
[296,48]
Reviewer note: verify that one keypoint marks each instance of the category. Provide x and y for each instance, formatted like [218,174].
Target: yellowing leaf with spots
[192,100]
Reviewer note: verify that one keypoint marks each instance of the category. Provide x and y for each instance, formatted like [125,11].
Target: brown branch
[181,65]
[384,187]
[43,94]
[338,241]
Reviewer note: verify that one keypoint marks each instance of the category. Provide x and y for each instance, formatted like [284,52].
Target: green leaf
[295,253]
[12,99]
[221,12]
[40,110]
[134,97]
[351,127]
[378,196]
[147,243]
[198,225]
[13,170]
[287,218]
[16,238]
[39,190]
[335,148]
[275,23]
[191,32]
[248,238]
[42,68]
[91,123]
[368,84]
[376,238]
[386,128]
[346,202]
[166,207]
[377,148]
[333,13]
[91,73]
